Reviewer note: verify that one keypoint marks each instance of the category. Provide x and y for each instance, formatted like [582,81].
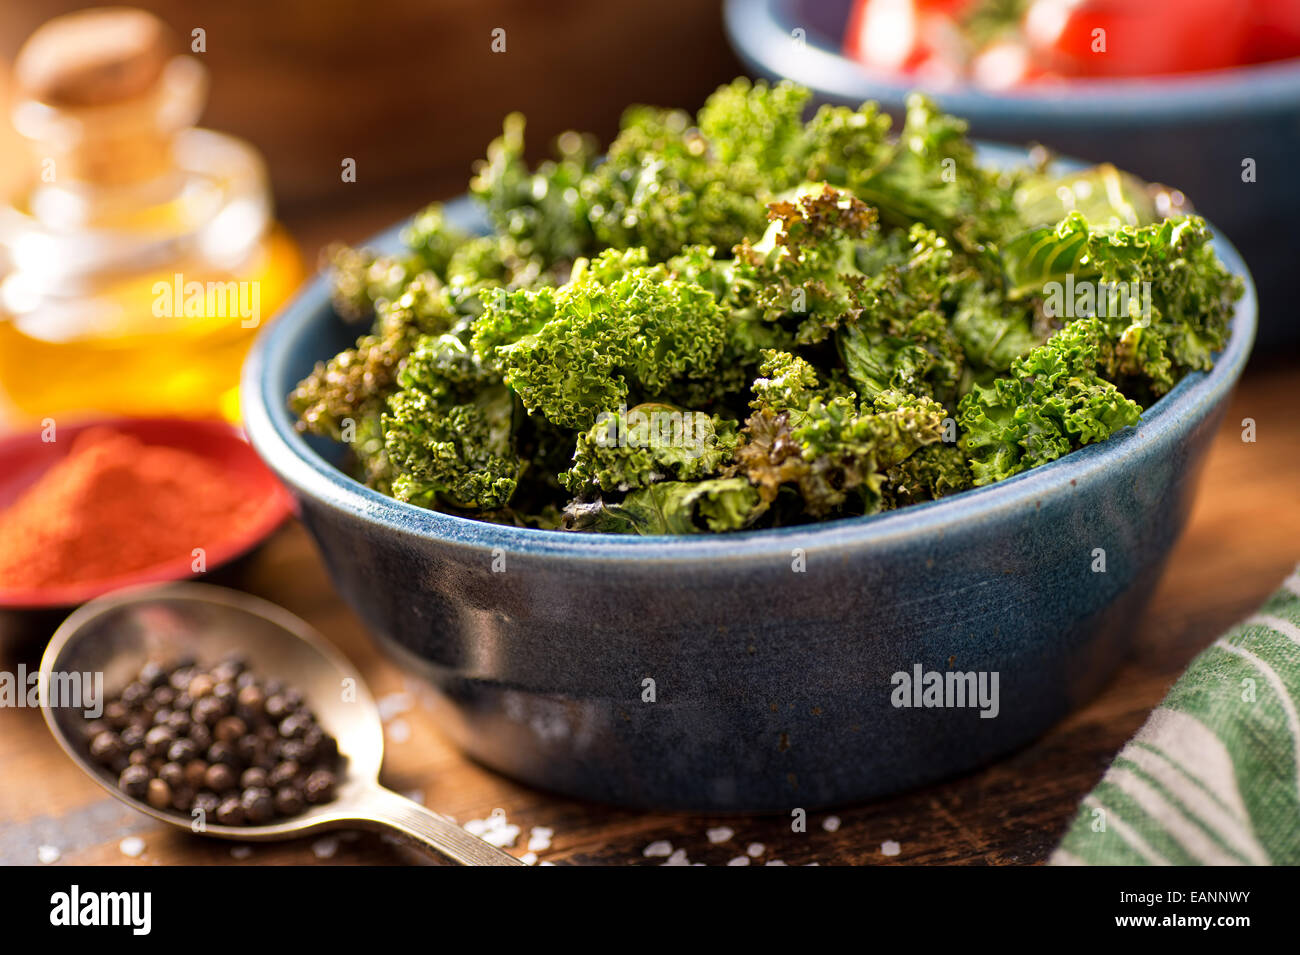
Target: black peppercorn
[223,752]
[158,740]
[294,725]
[182,751]
[283,774]
[115,714]
[293,750]
[207,710]
[253,778]
[134,781]
[208,802]
[258,804]
[319,787]
[196,773]
[200,686]
[201,735]
[249,702]
[164,695]
[105,747]
[179,722]
[229,729]
[288,801]
[152,675]
[230,812]
[173,774]
[159,794]
[219,778]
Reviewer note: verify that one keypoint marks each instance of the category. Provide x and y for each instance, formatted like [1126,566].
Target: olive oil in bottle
[142,257]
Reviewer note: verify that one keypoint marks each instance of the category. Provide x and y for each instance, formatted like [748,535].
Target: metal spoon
[115,634]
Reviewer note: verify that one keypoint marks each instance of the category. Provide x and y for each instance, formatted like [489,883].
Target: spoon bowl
[115,635]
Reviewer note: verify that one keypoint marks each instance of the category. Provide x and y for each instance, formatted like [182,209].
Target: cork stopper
[94,57]
[103,92]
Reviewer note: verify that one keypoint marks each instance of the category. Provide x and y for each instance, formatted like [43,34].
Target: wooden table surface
[1242,539]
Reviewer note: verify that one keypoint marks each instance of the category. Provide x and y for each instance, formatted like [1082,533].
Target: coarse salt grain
[720,834]
[677,858]
[539,840]
[241,852]
[890,848]
[756,849]
[399,731]
[325,848]
[662,848]
[739,860]
[503,837]
[529,858]
[48,855]
[495,829]
[831,823]
[132,846]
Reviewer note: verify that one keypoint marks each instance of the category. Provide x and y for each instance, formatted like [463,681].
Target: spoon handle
[433,833]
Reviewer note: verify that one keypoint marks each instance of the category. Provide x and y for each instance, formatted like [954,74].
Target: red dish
[25,457]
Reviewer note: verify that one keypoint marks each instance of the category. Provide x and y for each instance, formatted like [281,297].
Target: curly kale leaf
[542,212]
[432,239]
[748,334]
[991,331]
[661,187]
[616,330]
[928,173]
[932,472]
[787,384]
[806,265]
[834,450]
[900,338]
[448,431]
[1162,296]
[1053,401]
[847,447]
[353,384]
[360,279]
[761,126]
[671,507]
[648,443]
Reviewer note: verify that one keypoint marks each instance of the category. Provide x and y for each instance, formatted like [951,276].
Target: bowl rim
[759,33]
[286,451]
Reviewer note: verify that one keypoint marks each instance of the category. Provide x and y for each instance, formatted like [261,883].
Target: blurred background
[411,88]
[1183,92]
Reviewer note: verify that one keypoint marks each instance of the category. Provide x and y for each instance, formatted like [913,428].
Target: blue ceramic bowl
[1190,131]
[752,671]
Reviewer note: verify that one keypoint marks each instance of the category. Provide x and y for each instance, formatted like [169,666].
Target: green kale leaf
[1053,401]
[650,442]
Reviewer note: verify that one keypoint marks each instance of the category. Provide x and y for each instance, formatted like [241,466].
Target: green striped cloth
[1213,777]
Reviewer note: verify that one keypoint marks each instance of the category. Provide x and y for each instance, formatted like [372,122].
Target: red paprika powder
[115,505]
